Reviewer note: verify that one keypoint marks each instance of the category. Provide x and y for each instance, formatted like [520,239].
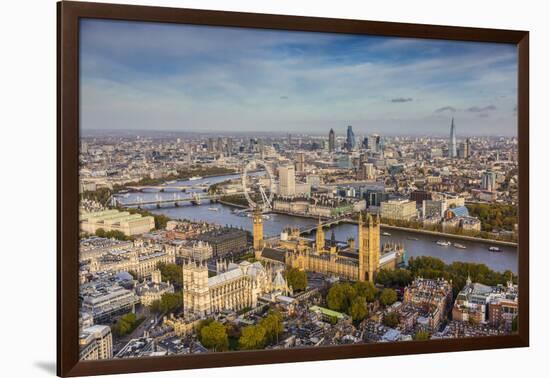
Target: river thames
[416,244]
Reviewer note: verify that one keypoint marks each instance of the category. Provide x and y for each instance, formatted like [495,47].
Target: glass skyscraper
[350,140]
[452,140]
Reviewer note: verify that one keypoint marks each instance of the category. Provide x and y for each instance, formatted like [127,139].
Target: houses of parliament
[357,260]
[238,286]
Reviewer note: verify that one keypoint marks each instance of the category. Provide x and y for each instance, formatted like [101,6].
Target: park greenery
[259,335]
[218,337]
[169,302]
[499,216]
[172,273]
[114,234]
[352,299]
[421,336]
[388,297]
[297,279]
[160,219]
[213,335]
[253,337]
[126,324]
[394,278]
[235,199]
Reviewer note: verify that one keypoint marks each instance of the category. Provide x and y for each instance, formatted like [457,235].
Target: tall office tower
[331,141]
[366,172]
[300,162]
[287,181]
[452,140]
[289,139]
[464,151]
[229,146]
[489,181]
[365,143]
[374,142]
[350,139]
[211,145]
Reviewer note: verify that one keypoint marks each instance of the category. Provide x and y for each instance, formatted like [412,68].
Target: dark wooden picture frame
[69,13]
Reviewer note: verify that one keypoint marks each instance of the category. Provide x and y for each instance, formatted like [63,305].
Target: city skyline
[151,76]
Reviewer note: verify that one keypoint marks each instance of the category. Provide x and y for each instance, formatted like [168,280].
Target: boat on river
[214,208]
[494,249]
[459,246]
[443,243]
[411,238]
[386,234]
[195,178]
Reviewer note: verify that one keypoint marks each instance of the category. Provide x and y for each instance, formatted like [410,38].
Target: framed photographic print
[240,188]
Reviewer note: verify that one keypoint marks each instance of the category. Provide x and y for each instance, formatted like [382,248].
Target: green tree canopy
[394,278]
[366,289]
[273,325]
[421,336]
[172,273]
[391,319]
[358,309]
[388,297]
[169,302]
[297,279]
[214,336]
[252,337]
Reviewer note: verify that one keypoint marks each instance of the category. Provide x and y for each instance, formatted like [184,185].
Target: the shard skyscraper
[452,140]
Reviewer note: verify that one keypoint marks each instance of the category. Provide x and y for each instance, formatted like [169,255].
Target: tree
[273,325]
[126,324]
[391,319]
[421,336]
[340,296]
[253,337]
[394,278]
[214,336]
[113,234]
[388,297]
[297,279]
[358,310]
[168,302]
[366,289]
[172,273]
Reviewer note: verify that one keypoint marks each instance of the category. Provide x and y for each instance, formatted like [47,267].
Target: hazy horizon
[203,79]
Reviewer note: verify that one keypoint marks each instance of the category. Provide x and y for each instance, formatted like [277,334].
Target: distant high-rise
[373,142]
[452,140]
[489,181]
[331,141]
[350,140]
[464,151]
[365,142]
[300,162]
[287,180]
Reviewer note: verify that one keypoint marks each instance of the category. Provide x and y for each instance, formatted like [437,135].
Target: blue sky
[137,75]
